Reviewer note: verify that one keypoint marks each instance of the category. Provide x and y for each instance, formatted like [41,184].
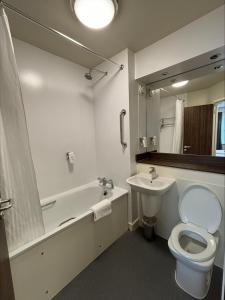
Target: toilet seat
[209,239]
[192,242]
[200,206]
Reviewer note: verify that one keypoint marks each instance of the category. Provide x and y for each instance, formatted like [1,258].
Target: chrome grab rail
[5,205]
[122,115]
[67,220]
[49,203]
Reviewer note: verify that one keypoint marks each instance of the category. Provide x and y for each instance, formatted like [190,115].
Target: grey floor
[133,269]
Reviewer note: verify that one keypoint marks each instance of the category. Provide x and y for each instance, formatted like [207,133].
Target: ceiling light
[180,84]
[215,56]
[220,67]
[95,14]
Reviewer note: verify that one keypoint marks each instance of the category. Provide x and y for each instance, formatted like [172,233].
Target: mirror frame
[204,163]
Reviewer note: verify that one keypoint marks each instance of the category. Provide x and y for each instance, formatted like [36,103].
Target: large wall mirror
[185,114]
[191,116]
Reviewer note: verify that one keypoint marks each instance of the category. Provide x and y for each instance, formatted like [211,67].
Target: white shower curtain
[24,220]
[179,127]
[153,118]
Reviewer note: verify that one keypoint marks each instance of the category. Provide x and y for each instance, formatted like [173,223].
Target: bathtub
[72,240]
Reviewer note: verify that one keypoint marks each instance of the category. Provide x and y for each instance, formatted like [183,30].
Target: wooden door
[6,285]
[198,130]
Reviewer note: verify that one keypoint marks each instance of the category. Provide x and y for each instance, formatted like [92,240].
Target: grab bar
[49,203]
[5,204]
[67,220]
[122,142]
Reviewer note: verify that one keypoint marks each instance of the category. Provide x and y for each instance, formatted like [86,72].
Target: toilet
[193,242]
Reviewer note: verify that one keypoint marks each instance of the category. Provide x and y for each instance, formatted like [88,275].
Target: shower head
[88,75]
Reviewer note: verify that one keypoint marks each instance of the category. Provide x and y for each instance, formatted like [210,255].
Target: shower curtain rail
[52,30]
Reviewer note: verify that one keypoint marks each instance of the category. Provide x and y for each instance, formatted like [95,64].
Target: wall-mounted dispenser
[153,141]
[146,142]
[71,157]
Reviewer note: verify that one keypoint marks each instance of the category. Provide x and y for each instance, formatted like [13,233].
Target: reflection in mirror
[188,117]
[219,128]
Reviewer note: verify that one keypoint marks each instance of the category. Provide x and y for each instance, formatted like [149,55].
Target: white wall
[65,112]
[115,92]
[203,35]
[60,116]
[199,97]
[213,93]
[169,216]
[111,95]
[133,108]
[217,91]
[135,101]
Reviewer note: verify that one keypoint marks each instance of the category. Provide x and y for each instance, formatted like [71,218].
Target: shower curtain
[24,220]
[153,118]
[179,127]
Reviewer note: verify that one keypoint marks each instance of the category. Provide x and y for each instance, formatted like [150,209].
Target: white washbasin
[143,183]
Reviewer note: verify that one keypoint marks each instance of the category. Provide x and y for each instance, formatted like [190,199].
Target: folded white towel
[101,209]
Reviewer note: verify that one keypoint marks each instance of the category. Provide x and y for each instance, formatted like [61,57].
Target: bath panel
[43,267]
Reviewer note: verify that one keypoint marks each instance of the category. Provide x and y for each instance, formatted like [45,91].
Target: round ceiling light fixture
[95,14]
[180,83]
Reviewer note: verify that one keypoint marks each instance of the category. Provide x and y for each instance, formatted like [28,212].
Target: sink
[150,191]
[145,184]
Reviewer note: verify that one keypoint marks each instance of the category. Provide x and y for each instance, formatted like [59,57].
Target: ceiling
[196,84]
[138,24]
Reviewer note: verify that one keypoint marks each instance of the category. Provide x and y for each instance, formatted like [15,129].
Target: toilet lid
[200,206]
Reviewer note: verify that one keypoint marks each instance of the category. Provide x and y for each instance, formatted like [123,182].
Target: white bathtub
[41,268]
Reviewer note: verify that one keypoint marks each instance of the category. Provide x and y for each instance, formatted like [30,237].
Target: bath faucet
[152,171]
[110,184]
[106,183]
[102,181]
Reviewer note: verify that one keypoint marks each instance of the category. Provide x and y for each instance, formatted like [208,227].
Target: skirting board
[133,225]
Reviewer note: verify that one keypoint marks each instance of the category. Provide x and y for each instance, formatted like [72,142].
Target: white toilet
[193,243]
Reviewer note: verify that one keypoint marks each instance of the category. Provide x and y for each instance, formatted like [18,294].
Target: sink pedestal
[151,191]
[150,204]
[150,207]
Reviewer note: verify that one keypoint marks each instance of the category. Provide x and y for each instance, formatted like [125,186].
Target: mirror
[188,116]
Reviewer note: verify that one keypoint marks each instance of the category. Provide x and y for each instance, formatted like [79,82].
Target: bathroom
[112,149]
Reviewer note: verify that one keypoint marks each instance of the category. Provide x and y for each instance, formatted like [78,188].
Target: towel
[101,209]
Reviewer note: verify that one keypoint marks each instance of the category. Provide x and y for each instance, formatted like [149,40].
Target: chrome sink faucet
[106,183]
[152,172]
